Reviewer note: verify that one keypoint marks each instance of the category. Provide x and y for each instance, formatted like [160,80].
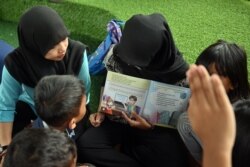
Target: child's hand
[96,119]
[137,121]
[210,111]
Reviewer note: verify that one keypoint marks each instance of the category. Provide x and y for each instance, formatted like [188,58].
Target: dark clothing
[158,147]
[146,50]
[96,145]
[23,116]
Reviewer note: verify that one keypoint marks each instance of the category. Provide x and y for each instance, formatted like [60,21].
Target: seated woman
[229,61]
[146,50]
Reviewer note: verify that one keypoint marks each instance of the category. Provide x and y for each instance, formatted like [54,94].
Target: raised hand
[211,116]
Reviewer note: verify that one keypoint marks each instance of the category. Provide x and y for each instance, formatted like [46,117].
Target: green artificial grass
[81,20]
[194,24]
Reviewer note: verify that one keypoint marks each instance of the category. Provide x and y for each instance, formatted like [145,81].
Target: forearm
[5,133]
[217,158]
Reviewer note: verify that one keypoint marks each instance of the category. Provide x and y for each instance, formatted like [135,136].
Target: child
[215,123]
[41,148]
[60,103]
[229,61]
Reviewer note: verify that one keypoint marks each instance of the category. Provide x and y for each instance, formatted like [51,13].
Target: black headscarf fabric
[39,30]
[147,50]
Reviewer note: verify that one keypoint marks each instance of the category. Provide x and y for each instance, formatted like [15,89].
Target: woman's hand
[96,119]
[137,121]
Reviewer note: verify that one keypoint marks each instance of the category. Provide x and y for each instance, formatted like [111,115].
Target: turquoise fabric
[11,91]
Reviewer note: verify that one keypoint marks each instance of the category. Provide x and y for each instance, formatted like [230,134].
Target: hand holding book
[96,119]
[137,121]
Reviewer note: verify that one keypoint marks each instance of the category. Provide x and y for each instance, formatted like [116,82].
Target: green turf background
[194,24]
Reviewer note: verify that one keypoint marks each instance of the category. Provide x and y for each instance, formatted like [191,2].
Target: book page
[165,103]
[123,93]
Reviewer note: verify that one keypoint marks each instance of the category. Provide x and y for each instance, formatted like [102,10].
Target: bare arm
[5,133]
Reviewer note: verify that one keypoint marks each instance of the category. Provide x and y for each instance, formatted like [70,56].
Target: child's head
[41,147]
[60,101]
[132,99]
[229,61]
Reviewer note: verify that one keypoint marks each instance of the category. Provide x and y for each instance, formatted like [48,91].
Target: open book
[159,103]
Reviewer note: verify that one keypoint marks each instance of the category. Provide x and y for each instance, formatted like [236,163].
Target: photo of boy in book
[114,105]
[131,105]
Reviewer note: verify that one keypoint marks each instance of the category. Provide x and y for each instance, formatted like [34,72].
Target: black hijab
[39,30]
[147,50]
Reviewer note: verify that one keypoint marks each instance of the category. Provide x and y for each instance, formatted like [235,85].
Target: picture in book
[159,103]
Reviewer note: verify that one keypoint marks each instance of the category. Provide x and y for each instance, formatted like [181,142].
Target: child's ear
[72,123]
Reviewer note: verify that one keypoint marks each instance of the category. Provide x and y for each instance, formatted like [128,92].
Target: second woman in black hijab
[146,50]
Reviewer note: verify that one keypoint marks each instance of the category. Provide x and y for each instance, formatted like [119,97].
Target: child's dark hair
[133,97]
[241,149]
[230,61]
[58,98]
[40,147]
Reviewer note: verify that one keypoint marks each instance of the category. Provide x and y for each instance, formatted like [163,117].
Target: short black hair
[133,97]
[230,61]
[58,98]
[40,147]
[241,149]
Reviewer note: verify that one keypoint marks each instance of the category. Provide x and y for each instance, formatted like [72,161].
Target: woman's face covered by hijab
[147,42]
[40,29]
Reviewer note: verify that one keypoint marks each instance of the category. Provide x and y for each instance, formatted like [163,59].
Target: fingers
[130,121]
[136,116]
[220,92]
[96,119]
[197,94]
[137,121]
[208,87]
[203,91]
[99,117]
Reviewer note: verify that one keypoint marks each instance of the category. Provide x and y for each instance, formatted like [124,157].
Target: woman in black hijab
[44,49]
[146,50]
